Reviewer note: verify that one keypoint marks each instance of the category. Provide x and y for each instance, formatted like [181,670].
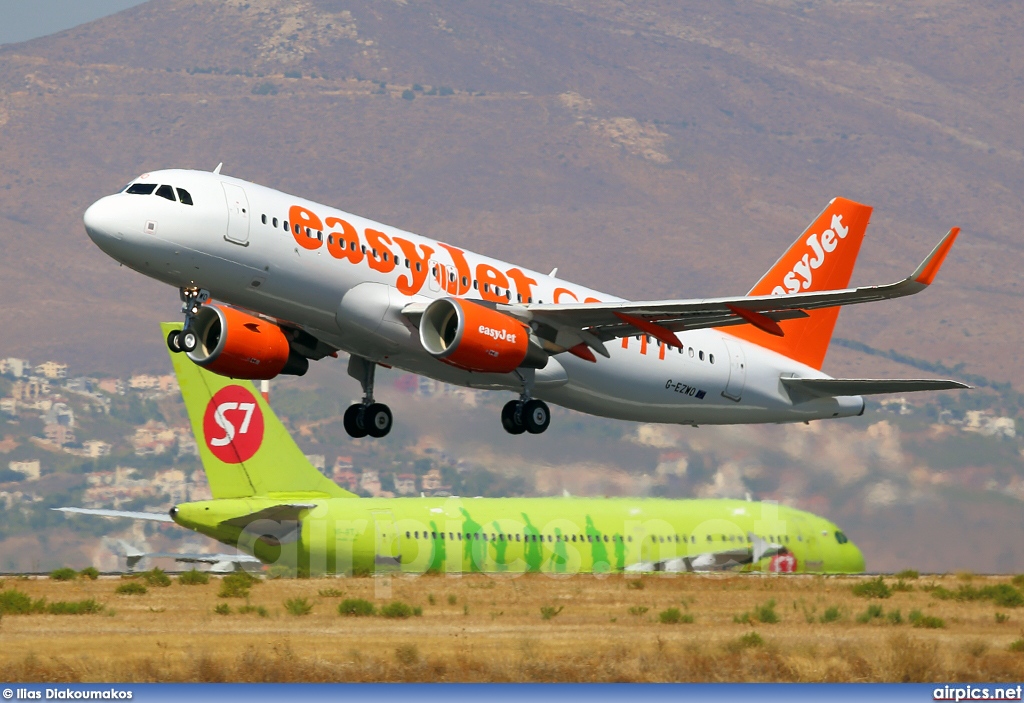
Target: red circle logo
[233,425]
[782,564]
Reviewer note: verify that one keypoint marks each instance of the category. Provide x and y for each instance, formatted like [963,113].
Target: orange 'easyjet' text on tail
[822,258]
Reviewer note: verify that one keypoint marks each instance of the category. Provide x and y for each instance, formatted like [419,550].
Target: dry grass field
[479,628]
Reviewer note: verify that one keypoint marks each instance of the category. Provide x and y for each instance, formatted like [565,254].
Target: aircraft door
[435,275]
[737,371]
[387,552]
[238,214]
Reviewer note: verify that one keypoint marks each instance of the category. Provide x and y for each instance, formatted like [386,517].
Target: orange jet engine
[476,338]
[235,344]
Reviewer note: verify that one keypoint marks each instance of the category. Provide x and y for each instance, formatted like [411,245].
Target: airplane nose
[98,220]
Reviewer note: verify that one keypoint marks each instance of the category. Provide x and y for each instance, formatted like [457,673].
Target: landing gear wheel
[172,341]
[188,340]
[508,418]
[351,422]
[377,420]
[536,416]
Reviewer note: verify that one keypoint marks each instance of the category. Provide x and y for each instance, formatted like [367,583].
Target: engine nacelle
[476,338]
[234,344]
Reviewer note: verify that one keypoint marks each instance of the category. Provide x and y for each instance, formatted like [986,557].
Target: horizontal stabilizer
[158,517]
[867,386]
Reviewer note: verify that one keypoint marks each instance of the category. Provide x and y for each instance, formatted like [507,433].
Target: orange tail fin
[822,258]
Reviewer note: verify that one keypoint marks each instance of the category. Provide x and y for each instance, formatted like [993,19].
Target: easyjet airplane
[271,503]
[295,280]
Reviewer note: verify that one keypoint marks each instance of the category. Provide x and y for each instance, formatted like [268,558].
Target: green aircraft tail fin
[245,449]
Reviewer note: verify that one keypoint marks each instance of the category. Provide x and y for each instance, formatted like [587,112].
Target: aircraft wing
[594,323]
[713,561]
[200,558]
[276,513]
[157,517]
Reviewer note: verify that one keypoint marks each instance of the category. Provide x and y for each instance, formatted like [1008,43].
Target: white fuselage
[227,243]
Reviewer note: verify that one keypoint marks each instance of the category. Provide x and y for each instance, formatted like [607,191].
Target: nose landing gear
[368,417]
[186,340]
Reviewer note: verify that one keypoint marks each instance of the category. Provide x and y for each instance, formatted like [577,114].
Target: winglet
[928,269]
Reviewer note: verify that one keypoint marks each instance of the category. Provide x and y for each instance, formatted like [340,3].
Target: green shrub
[431,599]
[873,611]
[766,613]
[894,617]
[670,617]
[452,600]
[1017,645]
[875,588]
[918,619]
[193,577]
[15,602]
[397,609]
[223,609]
[549,611]
[130,588]
[65,574]
[444,90]
[408,95]
[832,613]
[81,607]
[1001,618]
[89,572]
[236,585]
[258,609]
[638,610]
[330,593]
[637,585]
[156,577]
[298,606]
[908,574]
[356,607]
[902,586]
[751,640]
[1018,580]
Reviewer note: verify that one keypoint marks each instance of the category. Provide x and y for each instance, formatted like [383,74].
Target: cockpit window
[841,538]
[184,197]
[141,188]
[165,191]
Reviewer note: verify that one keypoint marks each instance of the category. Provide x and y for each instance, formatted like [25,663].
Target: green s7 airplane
[271,503]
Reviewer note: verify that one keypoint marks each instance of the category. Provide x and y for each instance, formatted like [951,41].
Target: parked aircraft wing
[660,318]
[158,517]
[824,387]
[277,513]
[712,561]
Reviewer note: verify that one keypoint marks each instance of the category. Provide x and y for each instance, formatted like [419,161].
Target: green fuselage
[551,535]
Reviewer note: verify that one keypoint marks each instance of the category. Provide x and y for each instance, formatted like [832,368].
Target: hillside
[658,151]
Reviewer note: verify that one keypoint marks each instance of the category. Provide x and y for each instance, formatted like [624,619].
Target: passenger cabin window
[184,196]
[275,222]
[264,219]
[141,188]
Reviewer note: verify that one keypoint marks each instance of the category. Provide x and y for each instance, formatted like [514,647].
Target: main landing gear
[367,417]
[185,339]
[525,415]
